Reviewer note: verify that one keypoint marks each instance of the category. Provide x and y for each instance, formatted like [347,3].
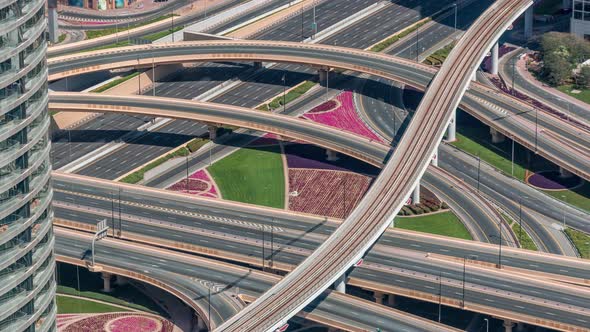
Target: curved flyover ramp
[495,108]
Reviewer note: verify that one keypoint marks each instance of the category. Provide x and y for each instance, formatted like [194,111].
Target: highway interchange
[304,74]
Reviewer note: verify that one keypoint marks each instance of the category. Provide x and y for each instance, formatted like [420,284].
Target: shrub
[196,144]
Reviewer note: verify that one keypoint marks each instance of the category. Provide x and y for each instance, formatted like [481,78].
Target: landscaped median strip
[114,83]
[91,34]
[580,240]
[191,146]
[387,42]
[290,95]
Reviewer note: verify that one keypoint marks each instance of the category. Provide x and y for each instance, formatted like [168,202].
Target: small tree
[556,68]
[583,77]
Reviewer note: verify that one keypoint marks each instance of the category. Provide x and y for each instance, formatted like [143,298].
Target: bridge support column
[520,326]
[331,155]
[474,77]
[497,137]
[258,64]
[120,280]
[528,23]
[434,160]
[495,59]
[416,194]
[564,173]
[452,128]
[508,324]
[391,300]
[378,297]
[106,286]
[212,132]
[340,284]
[323,76]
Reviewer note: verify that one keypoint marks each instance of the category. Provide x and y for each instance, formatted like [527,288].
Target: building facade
[98,4]
[580,21]
[27,263]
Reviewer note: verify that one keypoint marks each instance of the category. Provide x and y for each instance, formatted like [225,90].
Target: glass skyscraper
[27,263]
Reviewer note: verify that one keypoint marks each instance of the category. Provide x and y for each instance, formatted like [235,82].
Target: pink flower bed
[344,116]
[134,324]
[326,192]
[199,183]
[117,322]
[327,106]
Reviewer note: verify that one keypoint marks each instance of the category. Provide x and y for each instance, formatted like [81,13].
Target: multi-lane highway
[560,149]
[163,218]
[194,276]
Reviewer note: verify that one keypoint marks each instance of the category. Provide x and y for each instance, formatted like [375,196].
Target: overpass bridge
[417,272]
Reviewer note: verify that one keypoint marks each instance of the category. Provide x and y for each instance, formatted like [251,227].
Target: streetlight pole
[417,40]
[153,74]
[120,226]
[478,171]
[487,325]
[520,220]
[284,93]
[209,305]
[172,25]
[439,296]
[455,5]
[272,246]
[187,186]
[536,129]
[563,210]
[500,250]
[262,227]
[512,156]
[464,270]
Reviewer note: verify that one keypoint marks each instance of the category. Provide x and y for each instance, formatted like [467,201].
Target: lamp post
[478,171]
[563,210]
[487,325]
[455,30]
[439,296]
[464,270]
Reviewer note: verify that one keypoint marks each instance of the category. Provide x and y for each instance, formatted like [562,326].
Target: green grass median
[91,34]
[137,176]
[290,96]
[72,305]
[581,240]
[444,223]
[252,176]
[114,83]
[526,242]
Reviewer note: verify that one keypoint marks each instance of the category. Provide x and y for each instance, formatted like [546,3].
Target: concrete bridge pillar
[497,137]
[340,284]
[391,300]
[212,132]
[257,64]
[331,155]
[416,194]
[452,128]
[474,77]
[323,76]
[106,286]
[378,297]
[519,326]
[564,173]
[495,59]
[528,23]
[508,325]
[434,160]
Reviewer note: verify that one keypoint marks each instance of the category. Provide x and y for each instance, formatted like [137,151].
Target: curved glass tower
[27,265]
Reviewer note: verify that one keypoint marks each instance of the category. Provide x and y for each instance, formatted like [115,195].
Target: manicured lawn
[252,176]
[584,95]
[579,197]
[445,223]
[114,83]
[473,137]
[91,34]
[490,154]
[581,241]
[70,305]
[525,240]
